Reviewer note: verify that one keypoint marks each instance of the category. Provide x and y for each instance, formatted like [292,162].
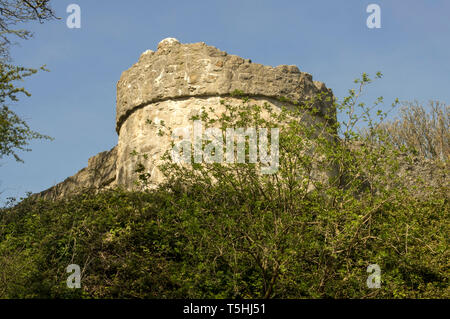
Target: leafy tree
[15,134]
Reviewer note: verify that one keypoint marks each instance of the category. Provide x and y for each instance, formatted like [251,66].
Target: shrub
[337,204]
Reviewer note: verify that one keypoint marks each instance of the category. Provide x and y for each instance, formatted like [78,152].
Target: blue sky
[75,102]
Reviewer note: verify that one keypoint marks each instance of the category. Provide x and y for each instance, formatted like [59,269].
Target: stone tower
[175,82]
[167,87]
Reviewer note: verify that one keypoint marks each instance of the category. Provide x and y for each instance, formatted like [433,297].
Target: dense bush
[163,244]
[338,203]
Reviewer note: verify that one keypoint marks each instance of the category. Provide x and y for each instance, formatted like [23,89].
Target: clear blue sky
[75,102]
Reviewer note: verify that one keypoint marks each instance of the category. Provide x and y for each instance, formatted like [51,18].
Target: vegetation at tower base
[216,231]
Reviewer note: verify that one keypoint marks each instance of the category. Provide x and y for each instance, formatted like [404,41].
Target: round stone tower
[169,86]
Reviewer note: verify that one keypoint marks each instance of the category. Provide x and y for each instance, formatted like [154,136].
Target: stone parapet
[178,70]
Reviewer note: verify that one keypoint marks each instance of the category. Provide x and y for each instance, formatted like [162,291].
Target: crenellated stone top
[179,70]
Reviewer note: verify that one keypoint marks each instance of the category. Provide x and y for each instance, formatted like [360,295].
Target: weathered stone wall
[99,174]
[171,85]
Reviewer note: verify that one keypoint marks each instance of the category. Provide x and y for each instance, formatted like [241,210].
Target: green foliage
[337,204]
[197,244]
